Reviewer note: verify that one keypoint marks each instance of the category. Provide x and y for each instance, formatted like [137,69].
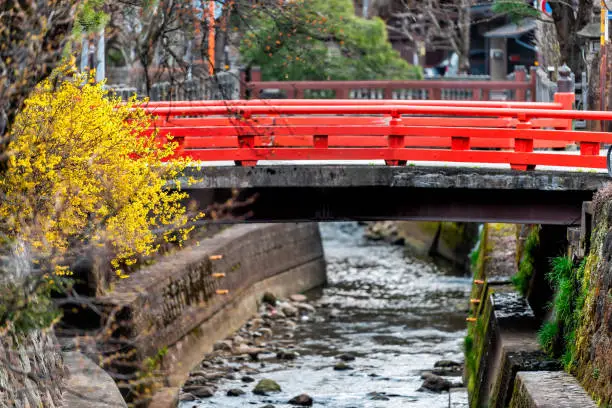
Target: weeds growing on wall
[558,335]
[527,263]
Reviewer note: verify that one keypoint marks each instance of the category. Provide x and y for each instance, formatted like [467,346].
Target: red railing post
[342,93]
[388,93]
[435,93]
[520,76]
[320,141]
[245,141]
[523,145]
[395,141]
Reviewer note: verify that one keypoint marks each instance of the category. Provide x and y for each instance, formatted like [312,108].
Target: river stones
[200,392]
[302,400]
[266,386]
[235,392]
[298,298]
[247,379]
[435,383]
[305,307]
[342,366]
[447,363]
[289,310]
[269,298]
[186,397]
[378,396]
[223,345]
[346,357]
[287,355]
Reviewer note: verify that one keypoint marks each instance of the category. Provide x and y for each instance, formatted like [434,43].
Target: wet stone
[200,392]
[298,298]
[185,397]
[302,400]
[266,386]
[235,392]
[378,396]
[342,366]
[346,357]
[247,379]
[435,383]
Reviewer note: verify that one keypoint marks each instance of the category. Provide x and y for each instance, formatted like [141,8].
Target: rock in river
[287,355]
[289,310]
[341,366]
[435,383]
[298,298]
[302,400]
[200,392]
[266,386]
[447,363]
[346,357]
[248,379]
[235,392]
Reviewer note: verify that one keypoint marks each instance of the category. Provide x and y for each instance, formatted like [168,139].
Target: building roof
[591,30]
[512,30]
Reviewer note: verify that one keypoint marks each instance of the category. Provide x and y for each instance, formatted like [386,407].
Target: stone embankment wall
[593,353]
[31,370]
[174,310]
[35,373]
[505,363]
[451,241]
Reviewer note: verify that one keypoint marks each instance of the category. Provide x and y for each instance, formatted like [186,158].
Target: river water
[397,314]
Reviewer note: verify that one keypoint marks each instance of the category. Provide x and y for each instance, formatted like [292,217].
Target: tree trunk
[464,23]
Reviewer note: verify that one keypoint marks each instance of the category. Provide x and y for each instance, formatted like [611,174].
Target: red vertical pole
[211,37]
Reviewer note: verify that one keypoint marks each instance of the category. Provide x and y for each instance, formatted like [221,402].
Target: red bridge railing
[519,89]
[394,131]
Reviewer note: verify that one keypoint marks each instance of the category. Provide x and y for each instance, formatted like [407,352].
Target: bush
[84,173]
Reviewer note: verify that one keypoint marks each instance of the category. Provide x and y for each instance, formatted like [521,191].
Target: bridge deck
[331,193]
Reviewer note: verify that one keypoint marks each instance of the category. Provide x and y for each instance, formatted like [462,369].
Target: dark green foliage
[547,336]
[320,40]
[567,309]
[515,9]
[526,265]
[22,312]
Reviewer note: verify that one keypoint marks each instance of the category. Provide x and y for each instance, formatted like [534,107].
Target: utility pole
[211,38]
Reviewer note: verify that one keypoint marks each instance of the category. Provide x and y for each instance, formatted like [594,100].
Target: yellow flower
[84,168]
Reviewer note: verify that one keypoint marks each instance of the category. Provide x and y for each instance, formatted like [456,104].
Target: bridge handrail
[353,102]
[522,87]
[396,110]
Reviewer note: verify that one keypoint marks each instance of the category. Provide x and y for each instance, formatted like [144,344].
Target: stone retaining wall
[543,389]
[190,299]
[502,344]
[31,370]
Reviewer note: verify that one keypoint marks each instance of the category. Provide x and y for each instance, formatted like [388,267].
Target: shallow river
[398,315]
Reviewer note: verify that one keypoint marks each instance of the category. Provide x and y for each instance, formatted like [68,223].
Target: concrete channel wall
[176,309]
[505,364]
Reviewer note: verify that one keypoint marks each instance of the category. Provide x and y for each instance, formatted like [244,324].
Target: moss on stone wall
[526,265]
[590,355]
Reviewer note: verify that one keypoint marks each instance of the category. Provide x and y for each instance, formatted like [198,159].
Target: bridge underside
[335,193]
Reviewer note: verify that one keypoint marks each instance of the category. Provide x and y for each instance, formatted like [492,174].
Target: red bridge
[487,132]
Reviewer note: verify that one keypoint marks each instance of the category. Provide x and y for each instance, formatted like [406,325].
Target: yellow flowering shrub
[84,171]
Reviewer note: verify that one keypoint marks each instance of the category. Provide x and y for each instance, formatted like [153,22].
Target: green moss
[567,308]
[522,278]
[547,336]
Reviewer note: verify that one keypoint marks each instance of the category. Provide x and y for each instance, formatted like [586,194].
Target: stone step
[548,389]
